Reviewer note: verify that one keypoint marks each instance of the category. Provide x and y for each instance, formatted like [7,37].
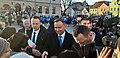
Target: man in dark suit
[95,37]
[82,48]
[62,39]
[39,36]
[26,27]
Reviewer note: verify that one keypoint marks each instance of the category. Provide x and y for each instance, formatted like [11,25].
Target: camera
[113,33]
[110,40]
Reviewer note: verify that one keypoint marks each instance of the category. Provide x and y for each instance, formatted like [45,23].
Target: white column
[50,8]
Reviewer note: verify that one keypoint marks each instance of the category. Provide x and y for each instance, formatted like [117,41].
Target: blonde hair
[116,53]
[3,45]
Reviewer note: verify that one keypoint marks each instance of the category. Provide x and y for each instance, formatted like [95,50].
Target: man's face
[86,23]
[35,23]
[26,24]
[59,27]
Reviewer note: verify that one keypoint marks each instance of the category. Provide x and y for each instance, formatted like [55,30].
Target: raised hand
[104,53]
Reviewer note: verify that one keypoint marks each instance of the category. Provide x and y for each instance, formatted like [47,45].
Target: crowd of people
[35,41]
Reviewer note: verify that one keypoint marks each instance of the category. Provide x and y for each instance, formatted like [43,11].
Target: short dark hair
[36,17]
[18,41]
[59,19]
[81,29]
[86,19]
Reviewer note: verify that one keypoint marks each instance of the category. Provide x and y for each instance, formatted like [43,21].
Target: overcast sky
[90,2]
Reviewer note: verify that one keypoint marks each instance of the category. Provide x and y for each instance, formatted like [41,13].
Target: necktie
[33,37]
[60,40]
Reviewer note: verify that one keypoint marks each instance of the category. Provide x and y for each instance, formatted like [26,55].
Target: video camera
[113,33]
[110,40]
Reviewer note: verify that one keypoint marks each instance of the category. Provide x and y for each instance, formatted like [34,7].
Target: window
[23,4]
[104,9]
[53,0]
[95,10]
[47,10]
[90,10]
[114,9]
[115,3]
[53,10]
[39,9]
[111,9]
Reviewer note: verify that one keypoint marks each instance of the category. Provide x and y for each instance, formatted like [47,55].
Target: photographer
[111,39]
[83,48]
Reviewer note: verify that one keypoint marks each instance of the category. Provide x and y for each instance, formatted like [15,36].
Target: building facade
[76,8]
[100,8]
[115,8]
[42,7]
[85,11]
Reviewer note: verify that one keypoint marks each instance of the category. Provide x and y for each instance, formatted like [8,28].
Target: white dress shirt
[36,34]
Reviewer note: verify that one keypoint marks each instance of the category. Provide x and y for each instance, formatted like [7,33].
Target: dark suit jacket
[54,47]
[87,51]
[98,37]
[22,30]
[42,40]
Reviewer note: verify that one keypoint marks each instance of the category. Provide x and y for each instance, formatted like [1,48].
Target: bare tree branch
[66,4]
[63,1]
